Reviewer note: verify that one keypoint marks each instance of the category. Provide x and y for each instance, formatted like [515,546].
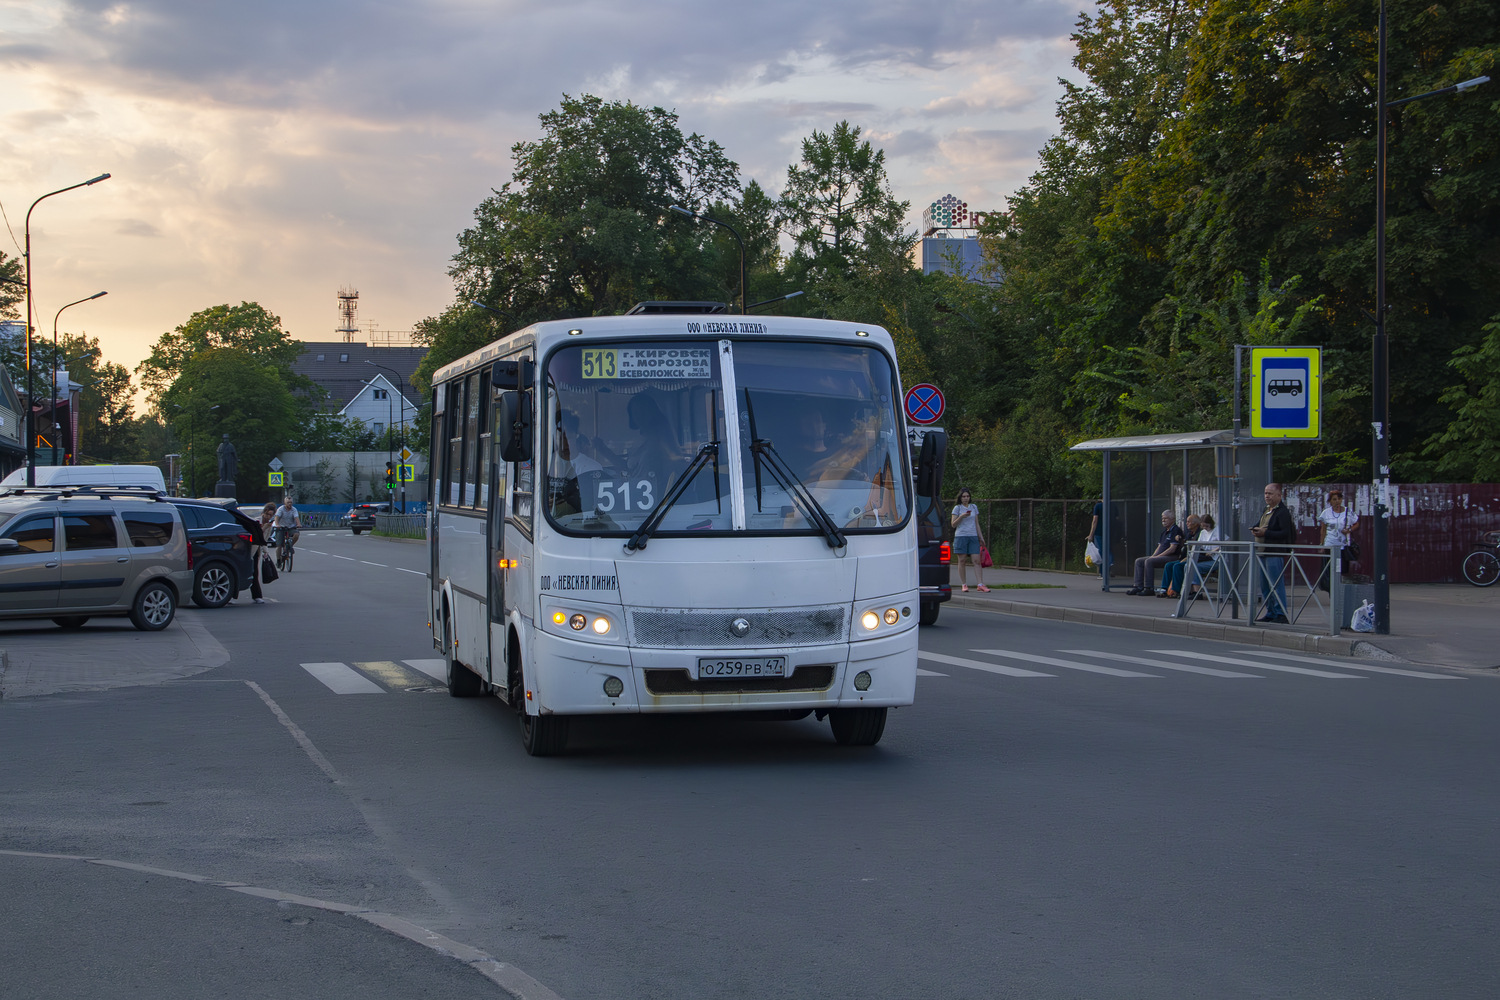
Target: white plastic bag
[1091,557]
[1363,619]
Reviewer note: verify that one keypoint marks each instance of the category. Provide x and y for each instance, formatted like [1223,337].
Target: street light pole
[90,298]
[400,482]
[30,382]
[744,286]
[1380,390]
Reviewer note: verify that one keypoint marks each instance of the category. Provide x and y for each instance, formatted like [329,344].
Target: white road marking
[989,668]
[318,551]
[1049,661]
[1355,666]
[436,669]
[345,558]
[1252,663]
[920,672]
[1186,667]
[343,679]
[418,572]
[368,563]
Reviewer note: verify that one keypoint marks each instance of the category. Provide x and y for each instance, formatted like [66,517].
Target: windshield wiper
[765,451]
[708,453]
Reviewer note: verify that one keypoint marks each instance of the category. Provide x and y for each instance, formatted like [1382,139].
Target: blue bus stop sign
[924,404]
[1286,392]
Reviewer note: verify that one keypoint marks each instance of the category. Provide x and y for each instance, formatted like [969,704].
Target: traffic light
[390,475]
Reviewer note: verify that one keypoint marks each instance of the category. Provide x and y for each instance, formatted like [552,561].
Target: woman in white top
[1203,556]
[967,541]
[1337,522]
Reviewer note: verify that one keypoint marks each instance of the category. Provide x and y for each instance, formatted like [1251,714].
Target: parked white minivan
[90,475]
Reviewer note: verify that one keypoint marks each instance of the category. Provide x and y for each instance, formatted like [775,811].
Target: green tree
[247,327]
[583,226]
[12,287]
[838,207]
[230,390]
[1468,450]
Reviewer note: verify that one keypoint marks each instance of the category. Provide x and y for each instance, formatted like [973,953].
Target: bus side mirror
[930,463]
[513,426]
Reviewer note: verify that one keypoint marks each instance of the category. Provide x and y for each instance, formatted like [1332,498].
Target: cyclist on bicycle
[285,520]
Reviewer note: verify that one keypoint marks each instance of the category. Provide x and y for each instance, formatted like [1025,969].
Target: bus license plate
[750,666]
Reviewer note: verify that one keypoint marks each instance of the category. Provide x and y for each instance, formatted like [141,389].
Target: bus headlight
[892,616]
[870,620]
[601,625]
[577,622]
[558,617]
[613,687]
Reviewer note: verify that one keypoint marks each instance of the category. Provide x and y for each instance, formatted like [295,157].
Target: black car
[361,516]
[222,540]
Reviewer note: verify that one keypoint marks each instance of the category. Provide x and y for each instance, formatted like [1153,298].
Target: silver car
[76,553]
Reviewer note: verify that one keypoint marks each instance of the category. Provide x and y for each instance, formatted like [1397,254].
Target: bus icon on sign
[1285,389]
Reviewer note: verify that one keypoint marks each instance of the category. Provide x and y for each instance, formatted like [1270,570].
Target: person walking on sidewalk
[1274,530]
[1168,548]
[967,541]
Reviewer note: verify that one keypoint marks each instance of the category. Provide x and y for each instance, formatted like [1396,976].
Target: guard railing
[1247,577]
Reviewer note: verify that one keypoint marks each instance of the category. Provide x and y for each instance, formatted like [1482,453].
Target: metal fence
[1036,534]
[401,525]
[1252,578]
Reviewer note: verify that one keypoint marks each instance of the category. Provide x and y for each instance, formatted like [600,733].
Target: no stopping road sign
[924,404]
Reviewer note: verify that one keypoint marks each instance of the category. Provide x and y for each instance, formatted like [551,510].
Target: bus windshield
[625,421]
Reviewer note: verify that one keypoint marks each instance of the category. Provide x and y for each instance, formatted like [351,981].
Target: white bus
[676,512]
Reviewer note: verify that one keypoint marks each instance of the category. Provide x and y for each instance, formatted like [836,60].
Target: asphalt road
[1067,811]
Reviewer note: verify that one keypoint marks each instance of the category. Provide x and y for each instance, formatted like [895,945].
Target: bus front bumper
[569,677]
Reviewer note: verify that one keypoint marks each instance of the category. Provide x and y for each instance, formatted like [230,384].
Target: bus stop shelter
[1196,472]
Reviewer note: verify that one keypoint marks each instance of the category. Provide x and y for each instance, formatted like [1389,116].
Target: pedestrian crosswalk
[386,676]
[379,676]
[1157,663]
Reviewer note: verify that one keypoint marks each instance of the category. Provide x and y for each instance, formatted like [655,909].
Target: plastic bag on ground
[1363,619]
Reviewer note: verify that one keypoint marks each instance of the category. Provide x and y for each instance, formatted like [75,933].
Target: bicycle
[1482,566]
[286,548]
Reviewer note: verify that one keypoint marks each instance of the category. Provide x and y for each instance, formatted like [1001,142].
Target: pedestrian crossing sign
[408,473]
[274,478]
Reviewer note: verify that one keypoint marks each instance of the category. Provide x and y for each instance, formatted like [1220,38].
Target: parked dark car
[361,516]
[222,539]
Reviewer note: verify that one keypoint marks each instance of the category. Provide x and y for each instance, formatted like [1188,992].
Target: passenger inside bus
[574,474]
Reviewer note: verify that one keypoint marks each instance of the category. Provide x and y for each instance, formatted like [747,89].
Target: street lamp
[1380,396]
[399,479]
[192,452]
[708,218]
[388,421]
[90,298]
[30,386]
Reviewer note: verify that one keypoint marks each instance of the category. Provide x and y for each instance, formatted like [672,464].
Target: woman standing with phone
[967,541]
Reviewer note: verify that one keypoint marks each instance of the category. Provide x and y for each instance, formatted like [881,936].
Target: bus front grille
[715,629]
[807,678]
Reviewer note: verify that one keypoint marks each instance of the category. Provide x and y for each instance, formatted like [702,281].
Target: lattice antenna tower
[348,306]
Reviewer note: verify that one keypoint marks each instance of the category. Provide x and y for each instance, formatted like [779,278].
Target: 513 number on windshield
[600,363]
[629,496]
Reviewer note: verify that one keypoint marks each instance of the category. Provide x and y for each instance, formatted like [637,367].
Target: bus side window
[471,441]
[455,435]
[521,505]
[482,424]
[438,474]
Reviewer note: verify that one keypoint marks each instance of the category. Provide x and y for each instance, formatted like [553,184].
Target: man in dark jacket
[1275,528]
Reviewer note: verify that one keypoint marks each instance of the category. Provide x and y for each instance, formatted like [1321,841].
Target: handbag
[984,557]
[1353,549]
[268,571]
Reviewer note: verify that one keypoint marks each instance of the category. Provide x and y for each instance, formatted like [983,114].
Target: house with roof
[369,384]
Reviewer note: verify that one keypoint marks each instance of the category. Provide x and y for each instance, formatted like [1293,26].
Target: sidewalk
[1452,625]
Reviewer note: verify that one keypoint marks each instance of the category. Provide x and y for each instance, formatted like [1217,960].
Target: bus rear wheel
[544,735]
[857,727]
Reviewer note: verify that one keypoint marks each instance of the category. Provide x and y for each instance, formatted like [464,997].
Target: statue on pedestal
[228,460]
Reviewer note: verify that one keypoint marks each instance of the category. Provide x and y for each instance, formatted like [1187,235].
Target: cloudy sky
[277,150]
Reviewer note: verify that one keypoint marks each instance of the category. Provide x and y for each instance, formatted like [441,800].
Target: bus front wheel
[857,727]
[462,682]
[544,735]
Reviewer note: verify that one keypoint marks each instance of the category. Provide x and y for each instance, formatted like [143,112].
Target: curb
[1243,634]
[4,662]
